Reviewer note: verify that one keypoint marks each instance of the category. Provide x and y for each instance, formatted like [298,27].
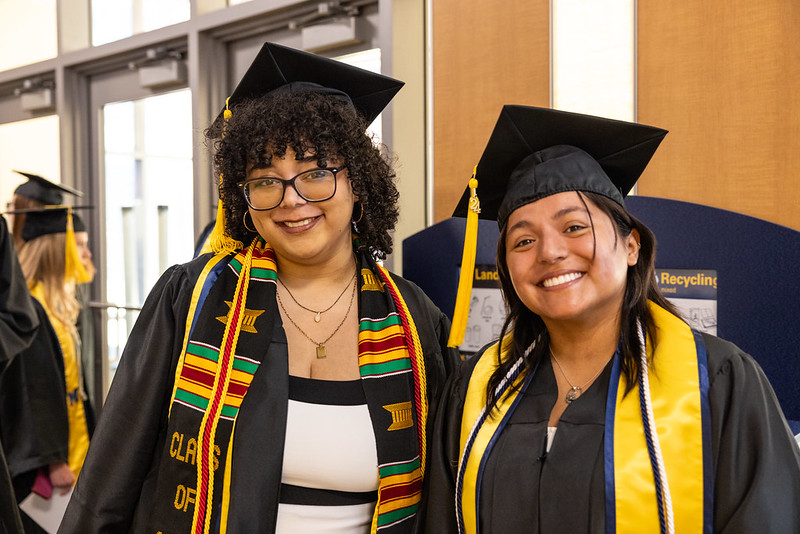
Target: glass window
[30,146]
[27,32]
[148,200]
[593,57]
[116,19]
[368,60]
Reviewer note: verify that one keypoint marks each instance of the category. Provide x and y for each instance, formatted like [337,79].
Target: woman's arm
[756,459]
[128,439]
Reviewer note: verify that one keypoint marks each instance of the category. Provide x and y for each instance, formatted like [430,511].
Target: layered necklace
[321,350]
[318,316]
[575,391]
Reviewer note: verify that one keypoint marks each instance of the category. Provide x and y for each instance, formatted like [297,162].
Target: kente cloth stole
[679,392]
[228,327]
[234,297]
[393,376]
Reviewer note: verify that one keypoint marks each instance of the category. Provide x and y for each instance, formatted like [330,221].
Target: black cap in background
[43,190]
[49,220]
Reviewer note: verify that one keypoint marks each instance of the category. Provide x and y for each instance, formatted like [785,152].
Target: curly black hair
[307,122]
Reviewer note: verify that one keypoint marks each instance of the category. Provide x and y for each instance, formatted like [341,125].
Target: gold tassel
[461,311]
[218,240]
[74,270]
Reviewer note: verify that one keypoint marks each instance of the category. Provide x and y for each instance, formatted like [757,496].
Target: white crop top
[330,464]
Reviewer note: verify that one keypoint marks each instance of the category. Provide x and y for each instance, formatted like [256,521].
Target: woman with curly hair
[598,409]
[283,381]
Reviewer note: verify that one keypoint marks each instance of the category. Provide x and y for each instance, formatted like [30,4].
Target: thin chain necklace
[319,313]
[575,391]
[321,351]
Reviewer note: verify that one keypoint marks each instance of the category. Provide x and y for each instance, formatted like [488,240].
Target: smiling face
[561,269]
[305,232]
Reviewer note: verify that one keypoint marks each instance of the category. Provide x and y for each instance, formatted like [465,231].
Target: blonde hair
[43,260]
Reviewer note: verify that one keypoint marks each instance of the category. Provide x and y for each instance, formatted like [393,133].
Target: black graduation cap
[278,67]
[49,220]
[536,152]
[43,190]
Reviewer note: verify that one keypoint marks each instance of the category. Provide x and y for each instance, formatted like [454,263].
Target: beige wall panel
[485,54]
[724,77]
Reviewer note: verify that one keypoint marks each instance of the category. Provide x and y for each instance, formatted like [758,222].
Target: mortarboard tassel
[219,241]
[74,271]
[461,311]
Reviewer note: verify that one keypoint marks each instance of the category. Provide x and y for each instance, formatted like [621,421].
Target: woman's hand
[61,477]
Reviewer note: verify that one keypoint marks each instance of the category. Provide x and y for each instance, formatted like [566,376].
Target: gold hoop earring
[244,222]
[360,213]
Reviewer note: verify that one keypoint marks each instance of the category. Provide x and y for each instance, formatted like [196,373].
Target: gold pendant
[317,317]
[321,353]
[572,394]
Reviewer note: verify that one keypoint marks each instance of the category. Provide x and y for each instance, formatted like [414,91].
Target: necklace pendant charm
[321,352]
[317,317]
[572,394]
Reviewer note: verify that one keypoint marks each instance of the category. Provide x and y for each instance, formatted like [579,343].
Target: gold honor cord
[201,522]
[461,311]
[219,241]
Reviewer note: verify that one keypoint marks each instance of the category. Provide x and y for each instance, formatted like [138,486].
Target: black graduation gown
[34,426]
[524,489]
[18,324]
[117,486]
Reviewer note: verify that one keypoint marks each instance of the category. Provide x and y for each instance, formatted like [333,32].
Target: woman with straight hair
[43,413]
[599,409]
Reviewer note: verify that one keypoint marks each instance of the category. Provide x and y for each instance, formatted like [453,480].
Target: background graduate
[602,411]
[283,383]
[37,192]
[43,420]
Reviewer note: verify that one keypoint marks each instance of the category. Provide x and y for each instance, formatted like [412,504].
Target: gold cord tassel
[219,240]
[74,271]
[461,311]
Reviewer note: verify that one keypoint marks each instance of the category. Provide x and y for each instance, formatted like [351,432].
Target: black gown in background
[18,321]
[525,490]
[34,425]
[18,324]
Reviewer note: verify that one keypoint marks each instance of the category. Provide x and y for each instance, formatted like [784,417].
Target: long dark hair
[640,287]
[307,122]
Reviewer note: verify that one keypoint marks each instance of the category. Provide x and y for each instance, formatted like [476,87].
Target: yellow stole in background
[679,391]
[78,428]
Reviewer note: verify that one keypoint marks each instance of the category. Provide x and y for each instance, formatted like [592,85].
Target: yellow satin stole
[78,430]
[678,407]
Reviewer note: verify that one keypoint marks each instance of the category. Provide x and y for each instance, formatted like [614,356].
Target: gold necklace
[574,391]
[319,313]
[321,351]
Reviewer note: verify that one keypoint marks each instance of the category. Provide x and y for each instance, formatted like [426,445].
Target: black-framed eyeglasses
[314,185]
